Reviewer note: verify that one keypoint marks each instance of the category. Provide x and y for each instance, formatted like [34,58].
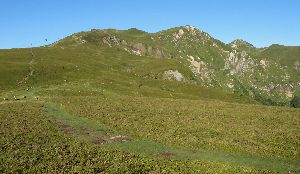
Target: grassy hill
[285,55]
[238,67]
[131,102]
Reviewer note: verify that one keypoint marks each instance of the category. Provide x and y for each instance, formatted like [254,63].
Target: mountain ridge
[238,67]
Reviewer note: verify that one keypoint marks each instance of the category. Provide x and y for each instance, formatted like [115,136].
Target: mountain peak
[240,43]
[136,30]
[189,28]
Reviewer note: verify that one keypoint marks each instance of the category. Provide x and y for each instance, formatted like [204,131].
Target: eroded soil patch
[65,128]
[92,136]
[166,154]
[105,138]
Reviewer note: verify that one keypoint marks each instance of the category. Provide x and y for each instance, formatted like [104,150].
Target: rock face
[139,49]
[199,68]
[111,41]
[173,75]
[238,62]
[144,50]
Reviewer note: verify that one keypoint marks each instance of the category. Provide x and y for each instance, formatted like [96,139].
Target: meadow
[91,109]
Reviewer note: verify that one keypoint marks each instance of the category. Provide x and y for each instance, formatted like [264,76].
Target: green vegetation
[91,108]
[269,72]
[295,102]
[31,144]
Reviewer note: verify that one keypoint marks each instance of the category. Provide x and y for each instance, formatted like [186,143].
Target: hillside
[269,75]
[128,101]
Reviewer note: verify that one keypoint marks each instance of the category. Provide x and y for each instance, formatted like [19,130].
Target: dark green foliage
[295,102]
[240,88]
[267,101]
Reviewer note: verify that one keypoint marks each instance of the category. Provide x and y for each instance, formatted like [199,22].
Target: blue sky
[260,22]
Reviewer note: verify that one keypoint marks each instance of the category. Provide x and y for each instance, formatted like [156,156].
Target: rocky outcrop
[297,65]
[238,62]
[241,44]
[139,49]
[173,75]
[199,68]
[111,41]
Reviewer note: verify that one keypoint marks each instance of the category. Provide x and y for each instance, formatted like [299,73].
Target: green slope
[238,67]
[101,68]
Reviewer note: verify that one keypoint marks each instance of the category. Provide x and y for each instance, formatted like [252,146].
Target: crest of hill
[241,43]
[285,55]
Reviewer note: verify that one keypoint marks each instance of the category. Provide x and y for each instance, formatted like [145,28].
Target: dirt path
[31,69]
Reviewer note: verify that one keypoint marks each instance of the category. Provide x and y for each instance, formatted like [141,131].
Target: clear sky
[260,22]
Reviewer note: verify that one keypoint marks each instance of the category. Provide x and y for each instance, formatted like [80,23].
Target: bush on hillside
[295,102]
